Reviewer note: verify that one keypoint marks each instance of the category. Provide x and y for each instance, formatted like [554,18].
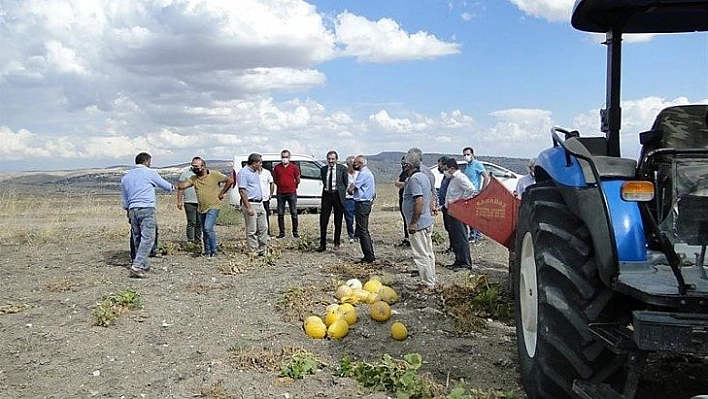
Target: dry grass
[263,359]
[300,302]
[14,308]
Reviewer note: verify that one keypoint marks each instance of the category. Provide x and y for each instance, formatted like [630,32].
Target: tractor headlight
[637,191]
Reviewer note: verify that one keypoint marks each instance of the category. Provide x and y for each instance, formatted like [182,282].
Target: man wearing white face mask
[459,188]
[479,177]
[286,176]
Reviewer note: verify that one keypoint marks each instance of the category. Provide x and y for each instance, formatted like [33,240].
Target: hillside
[385,166]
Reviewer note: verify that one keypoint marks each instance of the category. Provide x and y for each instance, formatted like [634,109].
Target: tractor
[607,254]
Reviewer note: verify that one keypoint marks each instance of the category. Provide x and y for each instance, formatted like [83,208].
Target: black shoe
[321,248]
[296,235]
[457,266]
[281,235]
[404,243]
[364,260]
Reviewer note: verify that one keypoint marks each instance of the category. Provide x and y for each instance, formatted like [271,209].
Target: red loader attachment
[493,212]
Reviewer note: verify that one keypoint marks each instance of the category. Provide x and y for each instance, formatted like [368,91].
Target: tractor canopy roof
[681,127]
[640,16]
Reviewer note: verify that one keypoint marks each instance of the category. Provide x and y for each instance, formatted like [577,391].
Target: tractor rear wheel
[557,293]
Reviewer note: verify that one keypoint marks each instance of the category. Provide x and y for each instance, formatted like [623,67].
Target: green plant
[114,305]
[460,392]
[229,216]
[305,243]
[490,303]
[299,365]
[438,238]
[399,377]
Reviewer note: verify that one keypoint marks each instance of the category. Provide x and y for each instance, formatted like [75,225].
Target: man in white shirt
[267,188]
[460,188]
[527,180]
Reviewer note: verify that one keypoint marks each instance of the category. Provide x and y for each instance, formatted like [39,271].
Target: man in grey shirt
[187,199]
[417,196]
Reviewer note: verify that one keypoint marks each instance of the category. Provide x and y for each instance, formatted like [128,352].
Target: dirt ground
[208,327]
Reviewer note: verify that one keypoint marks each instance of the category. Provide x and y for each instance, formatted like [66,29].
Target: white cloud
[385,41]
[550,10]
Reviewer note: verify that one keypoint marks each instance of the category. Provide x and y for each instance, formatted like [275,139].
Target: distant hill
[384,165]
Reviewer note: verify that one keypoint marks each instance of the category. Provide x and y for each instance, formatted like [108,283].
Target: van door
[309,193]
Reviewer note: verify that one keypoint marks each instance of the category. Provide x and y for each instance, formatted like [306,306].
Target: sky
[90,83]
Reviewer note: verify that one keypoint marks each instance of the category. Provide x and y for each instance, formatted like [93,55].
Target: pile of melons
[339,317]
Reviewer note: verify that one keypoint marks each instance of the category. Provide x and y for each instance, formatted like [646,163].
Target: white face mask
[468,158]
[285,161]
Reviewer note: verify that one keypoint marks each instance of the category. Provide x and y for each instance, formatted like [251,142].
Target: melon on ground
[380,311]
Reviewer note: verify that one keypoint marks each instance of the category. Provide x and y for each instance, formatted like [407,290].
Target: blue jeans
[207,220]
[349,207]
[143,227]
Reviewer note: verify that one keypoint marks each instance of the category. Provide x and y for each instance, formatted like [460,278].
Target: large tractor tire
[557,293]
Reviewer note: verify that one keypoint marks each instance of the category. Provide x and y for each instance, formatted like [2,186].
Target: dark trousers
[291,199]
[194,226]
[362,210]
[400,209]
[349,209]
[133,248]
[266,206]
[446,223]
[331,203]
[458,241]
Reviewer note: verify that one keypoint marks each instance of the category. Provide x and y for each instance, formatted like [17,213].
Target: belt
[331,191]
[363,200]
[255,200]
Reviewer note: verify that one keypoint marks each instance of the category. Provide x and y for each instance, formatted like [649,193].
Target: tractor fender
[615,225]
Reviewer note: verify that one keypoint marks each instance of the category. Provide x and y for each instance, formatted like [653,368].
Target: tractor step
[592,390]
[618,338]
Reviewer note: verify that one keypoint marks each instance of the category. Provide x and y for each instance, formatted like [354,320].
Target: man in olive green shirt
[210,187]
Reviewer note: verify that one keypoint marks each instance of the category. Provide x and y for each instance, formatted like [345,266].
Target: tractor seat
[607,167]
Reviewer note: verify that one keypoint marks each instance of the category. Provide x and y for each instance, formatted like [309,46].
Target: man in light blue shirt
[138,199]
[254,214]
[363,191]
[480,179]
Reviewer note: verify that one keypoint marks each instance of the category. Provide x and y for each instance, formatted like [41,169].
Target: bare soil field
[227,327]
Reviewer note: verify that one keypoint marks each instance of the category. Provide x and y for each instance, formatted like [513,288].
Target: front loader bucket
[493,211]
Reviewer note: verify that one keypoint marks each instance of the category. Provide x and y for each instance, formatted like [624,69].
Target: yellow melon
[313,319]
[373,286]
[331,316]
[372,298]
[361,294]
[349,315]
[342,291]
[338,329]
[399,332]
[315,329]
[388,294]
[380,311]
[345,307]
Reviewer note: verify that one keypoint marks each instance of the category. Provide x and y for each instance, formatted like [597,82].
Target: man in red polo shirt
[286,176]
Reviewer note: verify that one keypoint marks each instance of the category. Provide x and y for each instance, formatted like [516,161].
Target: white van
[309,192]
[506,176]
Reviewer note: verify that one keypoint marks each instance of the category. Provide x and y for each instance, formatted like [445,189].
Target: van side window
[309,170]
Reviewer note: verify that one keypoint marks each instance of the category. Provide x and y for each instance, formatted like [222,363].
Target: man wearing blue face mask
[460,188]
[479,177]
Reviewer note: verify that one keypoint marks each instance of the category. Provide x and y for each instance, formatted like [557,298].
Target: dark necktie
[329,179]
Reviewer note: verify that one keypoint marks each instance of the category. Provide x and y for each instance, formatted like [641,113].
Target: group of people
[348,193]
